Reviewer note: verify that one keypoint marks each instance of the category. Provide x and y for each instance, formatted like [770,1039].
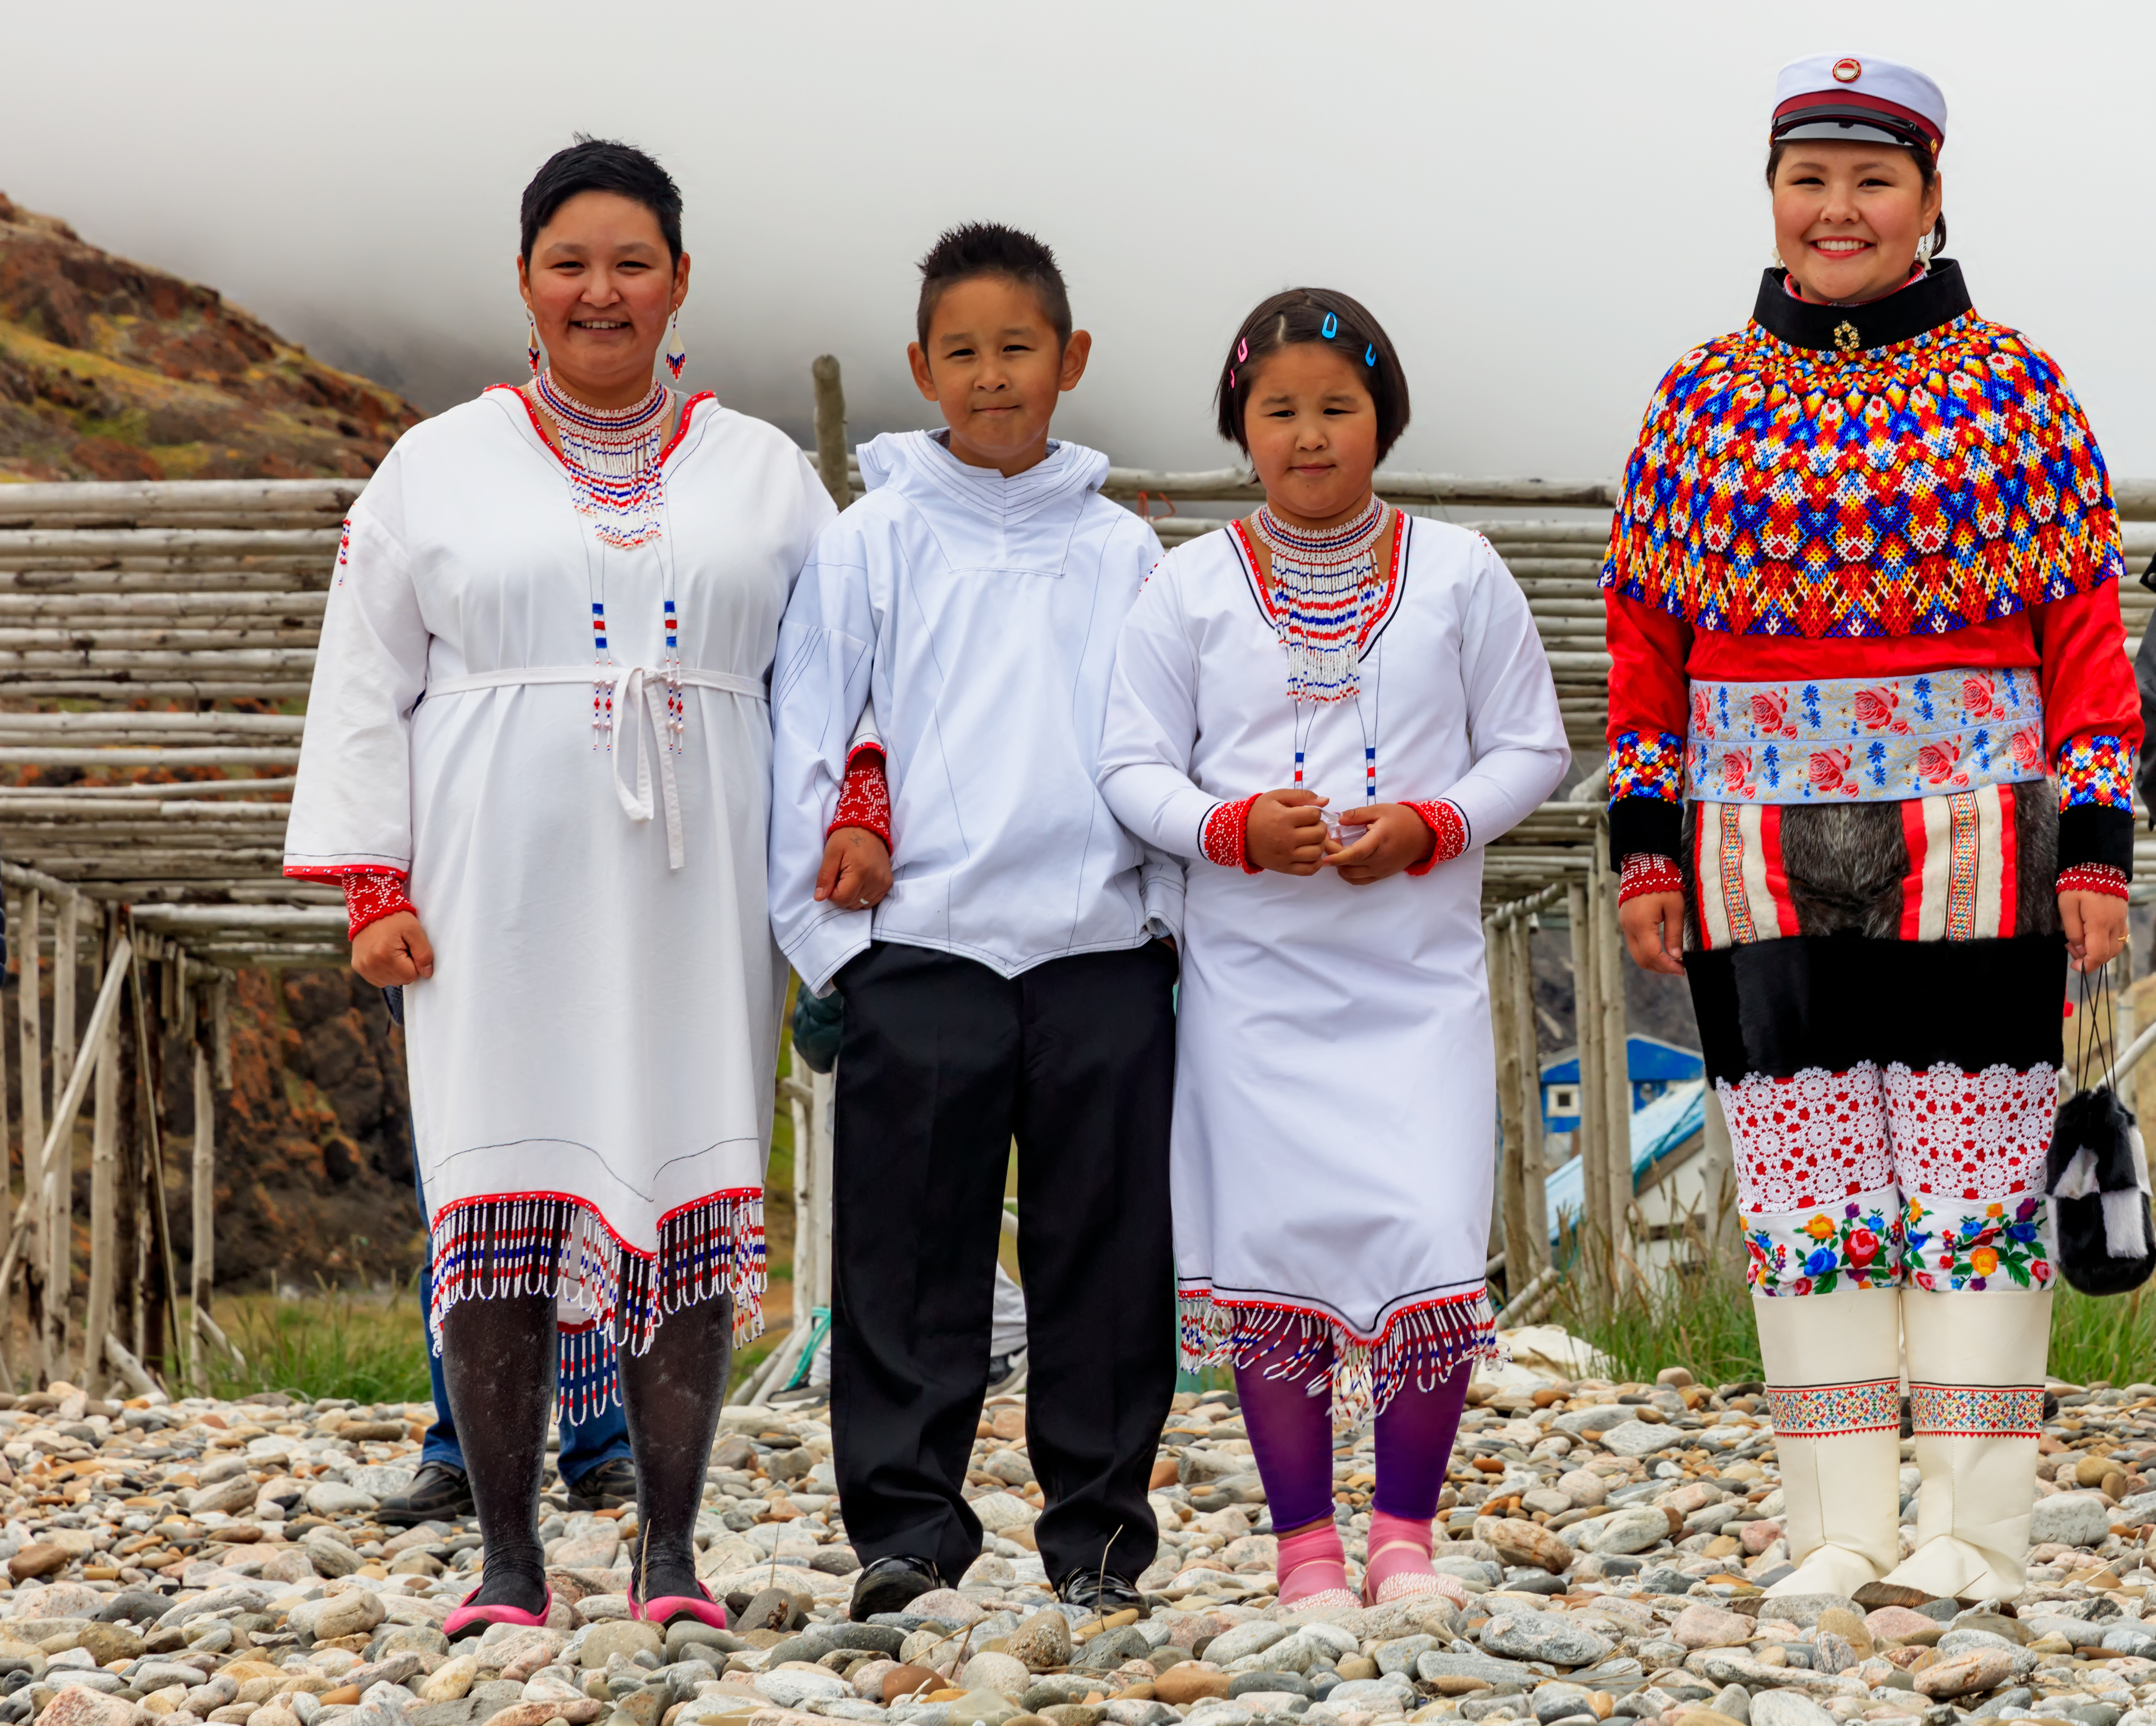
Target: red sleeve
[2089,693]
[1650,695]
[865,798]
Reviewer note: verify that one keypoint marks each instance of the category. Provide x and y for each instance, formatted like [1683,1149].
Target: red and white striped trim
[1743,889]
[1962,882]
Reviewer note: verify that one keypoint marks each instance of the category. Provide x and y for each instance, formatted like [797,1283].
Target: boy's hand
[1286,832]
[393,950]
[856,871]
[2096,928]
[1394,838]
[1653,924]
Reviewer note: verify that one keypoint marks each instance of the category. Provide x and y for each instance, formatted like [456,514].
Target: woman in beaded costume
[538,758]
[1329,1157]
[1862,609]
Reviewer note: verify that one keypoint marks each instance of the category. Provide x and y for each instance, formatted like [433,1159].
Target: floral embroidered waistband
[1880,739]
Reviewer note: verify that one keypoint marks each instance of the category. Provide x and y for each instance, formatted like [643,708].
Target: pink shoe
[470,1620]
[1407,1576]
[668,1607]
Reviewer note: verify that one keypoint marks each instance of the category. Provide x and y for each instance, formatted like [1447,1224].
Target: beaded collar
[614,457]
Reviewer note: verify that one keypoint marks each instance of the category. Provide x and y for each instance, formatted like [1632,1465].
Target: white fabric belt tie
[643,686]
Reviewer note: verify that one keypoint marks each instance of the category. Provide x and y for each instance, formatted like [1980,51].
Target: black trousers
[943,1062]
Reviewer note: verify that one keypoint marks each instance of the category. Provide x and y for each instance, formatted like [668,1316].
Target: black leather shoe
[608,1486]
[1100,1592]
[891,1585]
[438,1493]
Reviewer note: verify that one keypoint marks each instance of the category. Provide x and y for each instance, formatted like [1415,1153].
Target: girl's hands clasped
[1287,833]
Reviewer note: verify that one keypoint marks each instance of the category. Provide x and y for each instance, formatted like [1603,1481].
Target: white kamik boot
[1976,1395]
[1834,1381]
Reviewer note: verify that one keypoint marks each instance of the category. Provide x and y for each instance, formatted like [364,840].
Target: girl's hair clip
[1331,325]
[1370,355]
[1242,350]
[1231,376]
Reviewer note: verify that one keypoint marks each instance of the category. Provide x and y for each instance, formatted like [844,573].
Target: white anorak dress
[1335,1097]
[581,809]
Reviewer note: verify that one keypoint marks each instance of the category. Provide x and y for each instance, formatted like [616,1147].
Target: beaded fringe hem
[1419,1345]
[561,1248]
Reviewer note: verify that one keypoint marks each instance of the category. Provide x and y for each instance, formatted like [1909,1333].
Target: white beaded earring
[676,355]
[1924,252]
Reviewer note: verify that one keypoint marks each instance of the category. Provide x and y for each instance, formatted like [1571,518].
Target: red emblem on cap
[1848,71]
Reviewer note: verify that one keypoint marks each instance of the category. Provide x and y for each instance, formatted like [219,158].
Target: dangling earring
[532,341]
[677,355]
[1776,255]
[1924,252]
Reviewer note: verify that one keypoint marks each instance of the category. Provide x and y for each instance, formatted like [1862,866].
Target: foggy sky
[1545,204]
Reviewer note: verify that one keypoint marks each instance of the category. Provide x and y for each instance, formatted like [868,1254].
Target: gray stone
[1634,1530]
[791,1689]
[687,1634]
[1430,1667]
[1543,1636]
[344,1615]
[330,1497]
[981,1707]
[244,1598]
[1232,1645]
[1787,1707]
[1400,1654]
[1580,1422]
[2071,1519]
[1960,1642]
[236,1493]
[1803,1610]
[1720,1667]
[2133,1639]
[995,1671]
[1733,1703]
[1112,1648]
[1637,1438]
[620,1635]
[2137,1508]
[1268,1683]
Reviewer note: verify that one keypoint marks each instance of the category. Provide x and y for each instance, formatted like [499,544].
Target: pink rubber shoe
[470,1620]
[668,1607]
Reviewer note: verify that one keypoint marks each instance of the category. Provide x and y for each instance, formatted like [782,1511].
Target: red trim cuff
[1646,872]
[1225,838]
[1447,826]
[370,895]
[865,797]
[2093,878]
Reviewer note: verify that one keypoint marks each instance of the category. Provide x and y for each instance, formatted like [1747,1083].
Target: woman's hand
[2096,928]
[1287,833]
[392,950]
[1394,838]
[856,871]
[1653,931]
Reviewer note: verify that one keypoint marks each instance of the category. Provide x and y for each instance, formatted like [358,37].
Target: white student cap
[1855,97]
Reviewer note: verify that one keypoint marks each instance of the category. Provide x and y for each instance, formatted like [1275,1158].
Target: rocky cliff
[111,370]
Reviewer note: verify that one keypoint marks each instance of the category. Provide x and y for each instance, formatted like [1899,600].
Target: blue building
[1652,1066]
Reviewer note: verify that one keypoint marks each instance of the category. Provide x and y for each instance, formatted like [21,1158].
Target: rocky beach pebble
[178,1565]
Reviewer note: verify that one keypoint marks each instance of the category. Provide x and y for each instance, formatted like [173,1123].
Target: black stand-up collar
[1939,298]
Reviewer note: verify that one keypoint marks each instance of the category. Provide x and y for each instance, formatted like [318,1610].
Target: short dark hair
[601,165]
[978,248]
[1928,171]
[1313,314]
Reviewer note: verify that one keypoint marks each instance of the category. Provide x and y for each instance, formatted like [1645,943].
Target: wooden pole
[1586,1041]
[1513,1162]
[202,1273]
[1533,1164]
[66,939]
[59,1164]
[822,1091]
[30,987]
[131,1214]
[103,1187]
[800,1100]
[831,430]
[1617,1085]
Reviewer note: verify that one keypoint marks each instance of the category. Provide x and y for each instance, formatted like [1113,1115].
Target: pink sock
[1407,1564]
[1311,1562]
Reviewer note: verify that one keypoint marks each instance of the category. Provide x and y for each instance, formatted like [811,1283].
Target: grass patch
[2112,1338]
[370,1346]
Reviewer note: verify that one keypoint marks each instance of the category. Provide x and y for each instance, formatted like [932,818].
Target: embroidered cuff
[2096,769]
[1647,872]
[1448,827]
[1225,838]
[370,896]
[865,797]
[2093,878]
[1644,765]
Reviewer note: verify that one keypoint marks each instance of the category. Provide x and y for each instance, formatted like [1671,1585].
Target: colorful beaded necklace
[1324,585]
[613,456]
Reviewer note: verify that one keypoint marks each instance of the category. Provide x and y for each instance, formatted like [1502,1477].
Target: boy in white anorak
[1005,949]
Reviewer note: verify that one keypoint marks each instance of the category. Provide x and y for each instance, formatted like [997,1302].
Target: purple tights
[1292,1434]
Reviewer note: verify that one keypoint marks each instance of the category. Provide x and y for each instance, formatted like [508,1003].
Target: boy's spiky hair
[978,248]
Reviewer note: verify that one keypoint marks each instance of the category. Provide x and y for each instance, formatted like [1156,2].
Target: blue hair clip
[1331,325]
[1370,355]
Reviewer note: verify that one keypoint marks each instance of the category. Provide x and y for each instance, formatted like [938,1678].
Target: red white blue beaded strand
[612,458]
